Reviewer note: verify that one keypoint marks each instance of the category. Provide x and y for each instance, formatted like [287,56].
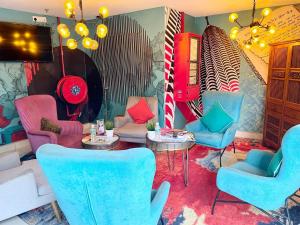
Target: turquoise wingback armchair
[104,187]
[247,180]
[231,103]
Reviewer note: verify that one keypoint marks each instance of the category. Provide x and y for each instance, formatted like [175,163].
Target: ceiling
[192,7]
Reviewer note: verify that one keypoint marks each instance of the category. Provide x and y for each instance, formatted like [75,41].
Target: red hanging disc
[72,89]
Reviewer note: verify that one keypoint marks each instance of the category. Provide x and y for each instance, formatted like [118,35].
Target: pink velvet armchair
[32,108]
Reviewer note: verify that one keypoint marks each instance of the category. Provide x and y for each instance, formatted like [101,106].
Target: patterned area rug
[191,205]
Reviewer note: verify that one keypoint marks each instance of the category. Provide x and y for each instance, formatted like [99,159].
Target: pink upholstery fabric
[32,108]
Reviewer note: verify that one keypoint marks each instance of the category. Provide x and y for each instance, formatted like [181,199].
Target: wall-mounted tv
[22,42]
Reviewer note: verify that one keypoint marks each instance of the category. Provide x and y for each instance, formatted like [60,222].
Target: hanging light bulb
[70,5]
[87,42]
[233,17]
[69,13]
[101,30]
[254,30]
[262,44]
[248,45]
[266,11]
[63,30]
[94,45]
[233,36]
[72,43]
[234,30]
[103,12]
[255,40]
[272,29]
[81,29]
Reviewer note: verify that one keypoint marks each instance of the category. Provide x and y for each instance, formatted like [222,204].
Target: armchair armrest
[229,135]
[18,189]
[50,135]
[195,126]
[259,158]
[120,121]
[70,127]
[9,160]
[267,193]
[159,201]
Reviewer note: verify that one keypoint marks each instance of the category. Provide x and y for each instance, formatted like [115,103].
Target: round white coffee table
[159,144]
[101,143]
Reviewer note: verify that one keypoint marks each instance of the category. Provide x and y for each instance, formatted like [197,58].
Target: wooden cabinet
[283,92]
[187,61]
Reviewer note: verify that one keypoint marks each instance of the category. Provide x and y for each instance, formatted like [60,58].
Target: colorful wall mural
[130,60]
[143,68]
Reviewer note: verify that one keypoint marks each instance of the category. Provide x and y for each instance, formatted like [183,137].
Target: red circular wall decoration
[72,89]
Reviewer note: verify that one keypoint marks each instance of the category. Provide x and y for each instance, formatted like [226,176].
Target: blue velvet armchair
[104,187]
[247,180]
[231,103]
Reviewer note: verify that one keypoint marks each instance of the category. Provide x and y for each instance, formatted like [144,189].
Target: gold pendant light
[257,28]
[81,28]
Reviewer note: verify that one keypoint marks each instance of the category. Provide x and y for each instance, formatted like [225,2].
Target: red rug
[191,205]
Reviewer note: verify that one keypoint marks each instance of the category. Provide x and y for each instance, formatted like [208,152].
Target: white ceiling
[192,7]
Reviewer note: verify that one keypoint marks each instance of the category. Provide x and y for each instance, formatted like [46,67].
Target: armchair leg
[161,220]
[215,201]
[233,147]
[56,211]
[221,154]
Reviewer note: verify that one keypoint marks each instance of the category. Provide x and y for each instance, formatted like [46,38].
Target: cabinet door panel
[293,91]
[295,56]
[280,57]
[276,89]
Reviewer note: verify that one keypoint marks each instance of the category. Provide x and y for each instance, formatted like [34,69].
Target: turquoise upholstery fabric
[104,187]
[231,103]
[217,120]
[275,164]
[248,182]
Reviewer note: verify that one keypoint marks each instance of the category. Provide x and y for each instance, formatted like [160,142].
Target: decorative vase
[151,134]
[110,133]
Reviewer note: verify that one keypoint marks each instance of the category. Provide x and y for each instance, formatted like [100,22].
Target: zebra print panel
[173,26]
[124,59]
[220,66]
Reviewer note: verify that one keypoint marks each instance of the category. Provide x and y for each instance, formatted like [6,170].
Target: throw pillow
[48,125]
[140,112]
[275,164]
[216,119]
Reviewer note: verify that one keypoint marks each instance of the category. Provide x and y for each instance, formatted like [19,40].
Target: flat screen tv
[22,42]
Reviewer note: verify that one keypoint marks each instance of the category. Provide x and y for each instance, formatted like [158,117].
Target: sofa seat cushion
[208,138]
[70,141]
[132,130]
[30,165]
[246,167]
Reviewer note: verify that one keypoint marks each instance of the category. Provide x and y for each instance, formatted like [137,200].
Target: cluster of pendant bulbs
[256,29]
[81,29]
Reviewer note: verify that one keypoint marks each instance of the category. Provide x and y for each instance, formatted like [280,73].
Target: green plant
[150,125]
[109,125]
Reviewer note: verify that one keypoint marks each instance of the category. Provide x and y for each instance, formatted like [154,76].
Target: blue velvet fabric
[104,187]
[248,181]
[231,103]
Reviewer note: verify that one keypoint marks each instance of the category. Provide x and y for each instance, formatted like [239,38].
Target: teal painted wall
[12,76]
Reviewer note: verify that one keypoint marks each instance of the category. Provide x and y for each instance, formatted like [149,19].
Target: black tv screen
[22,42]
